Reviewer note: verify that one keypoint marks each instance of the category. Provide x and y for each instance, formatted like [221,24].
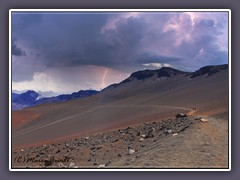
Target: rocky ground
[184,142]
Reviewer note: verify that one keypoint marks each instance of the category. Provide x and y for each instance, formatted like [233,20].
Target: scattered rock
[181,115]
[150,135]
[168,131]
[108,163]
[119,155]
[92,148]
[203,120]
[48,163]
[86,148]
[99,147]
[101,166]
[61,165]
[71,164]
[131,151]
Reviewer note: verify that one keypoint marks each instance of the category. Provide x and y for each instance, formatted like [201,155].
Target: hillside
[145,96]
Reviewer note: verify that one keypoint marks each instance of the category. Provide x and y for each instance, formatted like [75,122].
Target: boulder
[181,115]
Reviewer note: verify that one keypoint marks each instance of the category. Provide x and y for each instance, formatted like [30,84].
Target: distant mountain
[28,98]
[66,97]
[14,96]
[31,98]
[208,70]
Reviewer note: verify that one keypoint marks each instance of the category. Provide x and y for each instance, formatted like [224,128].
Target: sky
[64,52]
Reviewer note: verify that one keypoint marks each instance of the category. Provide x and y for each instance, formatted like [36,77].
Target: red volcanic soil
[20,118]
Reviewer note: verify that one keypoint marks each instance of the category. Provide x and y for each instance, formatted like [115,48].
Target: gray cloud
[149,57]
[119,41]
[17,51]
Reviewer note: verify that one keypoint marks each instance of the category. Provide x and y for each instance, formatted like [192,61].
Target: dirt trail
[28,130]
[174,143]
[203,145]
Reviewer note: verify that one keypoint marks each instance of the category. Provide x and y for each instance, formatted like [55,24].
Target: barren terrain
[107,130]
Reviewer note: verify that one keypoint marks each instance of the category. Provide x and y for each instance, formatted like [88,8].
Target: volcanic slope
[145,96]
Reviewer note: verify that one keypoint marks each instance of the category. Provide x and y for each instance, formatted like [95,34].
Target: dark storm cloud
[121,41]
[17,51]
[149,57]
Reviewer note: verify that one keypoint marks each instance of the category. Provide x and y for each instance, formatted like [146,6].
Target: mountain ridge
[31,98]
[166,72]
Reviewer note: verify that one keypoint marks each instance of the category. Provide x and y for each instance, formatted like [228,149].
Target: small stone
[169,131]
[86,138]
[108,163]
[149,136]
[131,151]
[143,135]
[48,163]
[203,120]
[141,139]
[175,134]
[61,165]
[119,155]
[92,148]
[101,166]
[22,150]
[99,147]
[71,164]
[181,115]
